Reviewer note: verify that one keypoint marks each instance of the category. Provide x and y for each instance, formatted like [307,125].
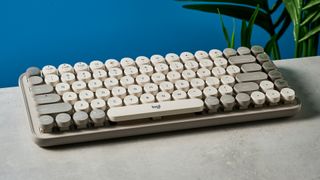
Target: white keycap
[103,93]
[65,68]
[147,98]
[115,72]
[197,83]
[172,57]
[110,83]
[126,81]
[266,85]
[273,96]
[182,85]
[86,95]
[158,78]
[233,70]
[131,71]
[78,86]
[61,88]
[192,65]
[141,60]
[151,88]
[203,73]
[179,94]
[130,100]
[146,69]
[218,71]
[288,94]
[68,78]
[135,90]
[119,91]
[84,76]
[112,63]
[228,80]
[51,79]
[163,96]
[155,59]
[142,79]
[166,86]
[126,62]
[81,106]
[96,64]
[210,91]
[100,74]
[173,76]
[214,53]
[220,62]
[70,97]
[225,90]
[81,66]
[114,102]
[49,69]
[162,68]
[201,55]
[206,63]
[185,56]
[176,66]
[188,74]
[98,104]
[258,98]
[213,81]
[95,84]
[195,93]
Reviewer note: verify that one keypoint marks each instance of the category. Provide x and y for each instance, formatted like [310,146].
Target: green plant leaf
[233,33]
[243,33]
[276,6]
[250,25]
[316,18]
[311,4]
[310,33]
[224,29]
[309,18]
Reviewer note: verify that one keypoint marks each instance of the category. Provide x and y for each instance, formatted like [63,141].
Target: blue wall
[40,32]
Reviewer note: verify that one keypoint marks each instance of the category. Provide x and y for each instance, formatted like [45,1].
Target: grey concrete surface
[272,149]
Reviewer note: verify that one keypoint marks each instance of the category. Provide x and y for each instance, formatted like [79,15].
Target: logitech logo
[156,106]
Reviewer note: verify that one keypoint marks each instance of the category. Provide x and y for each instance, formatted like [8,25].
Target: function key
[96,64]
[125,62]
[228,52]
[33,71]
[112,63]
[81,66]
[65,68]
[142,60]
[185,56]
[172,57]
[49,69]
[155,59]
[215,53]
[201,55]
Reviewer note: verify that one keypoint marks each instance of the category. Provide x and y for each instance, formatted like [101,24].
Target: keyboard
[103,100]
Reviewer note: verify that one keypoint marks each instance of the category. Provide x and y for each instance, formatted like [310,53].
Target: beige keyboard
[103,100]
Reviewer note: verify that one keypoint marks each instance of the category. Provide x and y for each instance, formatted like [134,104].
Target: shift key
[54,108]
[251,77]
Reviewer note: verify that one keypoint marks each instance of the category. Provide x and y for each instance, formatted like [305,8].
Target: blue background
[41,32]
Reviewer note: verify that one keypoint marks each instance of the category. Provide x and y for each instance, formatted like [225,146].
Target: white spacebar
[166,108]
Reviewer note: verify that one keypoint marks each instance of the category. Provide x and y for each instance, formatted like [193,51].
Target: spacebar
[140,111]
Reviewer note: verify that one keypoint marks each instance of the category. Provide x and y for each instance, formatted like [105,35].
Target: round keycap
[112,63]
[214,53]
[188,74]
[218,71]
[273,96]
[213,81]
[70,97]
[49,69]
[86,95]
[151,88]
[225,90]
[201,55]
[163,96]
[119,91]
[258,97]
[126,62]
[96,64]
[206,63]
[84,76]
[142,79]
[178,94]
[46,123]
[63,120]
[131,100]
[68,78]
[212,103]
[287,94]
[114,102]
[81,106]
[100,74]
[166,86]
[233,70]
[98,104]
[65,68]
[95,84]
[135,90]
[110,83]
[172,57]
[147,98]
[173,76]
[103,93]
[81,119]
[210,91]
[195,93]
[155,59]
[61,88]
[81,66]
[131,71]
[98,116]
[185,56]
[141,60]
[243,100]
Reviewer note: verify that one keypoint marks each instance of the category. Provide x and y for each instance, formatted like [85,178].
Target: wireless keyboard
[86,102]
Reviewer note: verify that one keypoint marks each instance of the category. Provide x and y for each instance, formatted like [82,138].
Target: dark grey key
[98,117]
[33,71]
[257,50]
[228,52]
[251,77]
[281,83]
[247,87]
[275,74]
[41,89]
[46,123]
[81,119]
[212,103]
[54,108]
[228,102]
[251,67]
[47,98]
[63,121]
[263,57]
[243,51]
[243,59]
[268,66]
[35,80]
[243,100]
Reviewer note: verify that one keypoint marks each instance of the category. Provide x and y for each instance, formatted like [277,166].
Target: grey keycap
[47,98]
[33,71]
[98,117]
[54,108]
[81,119]
[228,102]
[253,76]
[228,52]
[41,89]
[46,123]
[275,74]
[243,100]
[212,103]
[257,50]
[35,80]
[280,84]
[243,51]
[268,66]
[247,87]
[63,121]
[251,67]
[263,57]
[243,59]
